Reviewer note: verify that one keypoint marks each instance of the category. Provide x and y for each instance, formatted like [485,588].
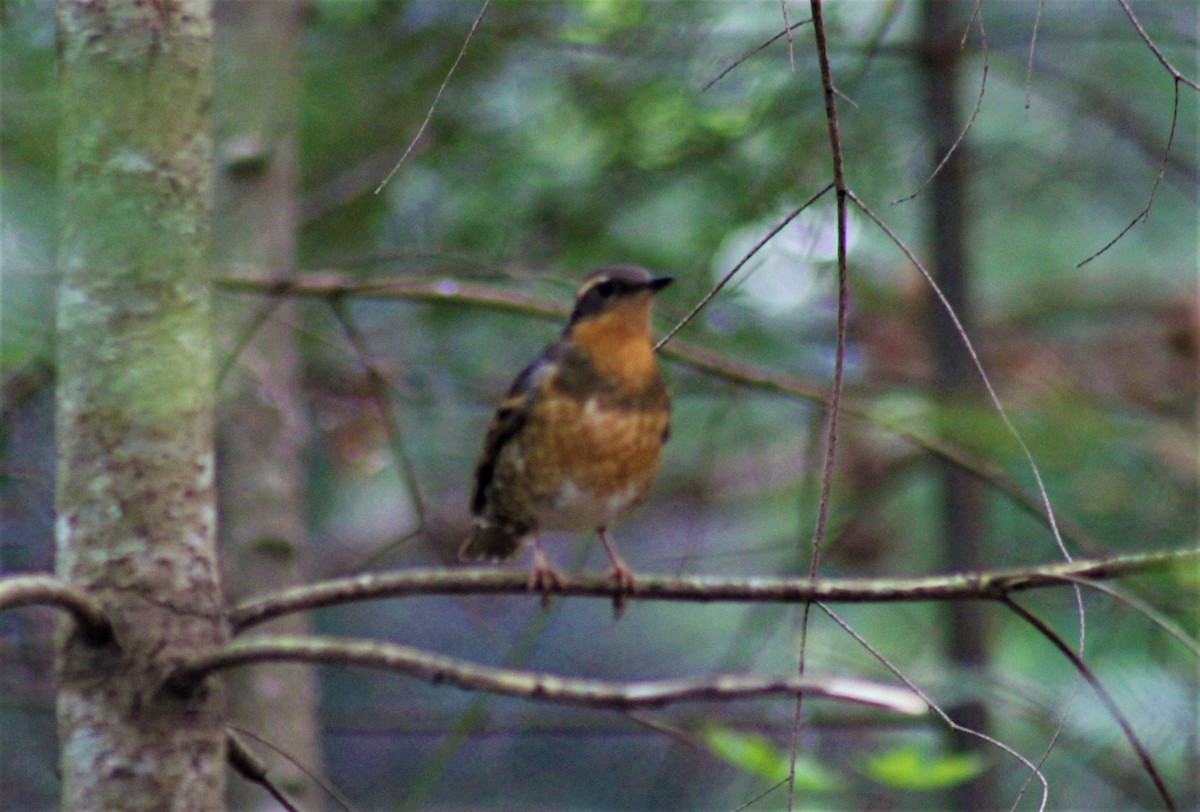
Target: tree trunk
[261,426]
[135,504]
[954,378]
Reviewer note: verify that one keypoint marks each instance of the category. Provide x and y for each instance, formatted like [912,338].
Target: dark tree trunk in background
[948,204]
[262,427]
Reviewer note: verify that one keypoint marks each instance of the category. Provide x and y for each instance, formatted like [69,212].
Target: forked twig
[242,759]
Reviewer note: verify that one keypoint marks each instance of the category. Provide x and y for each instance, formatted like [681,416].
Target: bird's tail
[489,541]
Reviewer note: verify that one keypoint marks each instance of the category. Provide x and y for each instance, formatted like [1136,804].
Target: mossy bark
[135,500]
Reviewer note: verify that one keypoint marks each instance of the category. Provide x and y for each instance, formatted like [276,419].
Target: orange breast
[589,465]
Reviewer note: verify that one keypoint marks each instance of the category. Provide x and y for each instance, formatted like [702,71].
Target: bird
[576,442]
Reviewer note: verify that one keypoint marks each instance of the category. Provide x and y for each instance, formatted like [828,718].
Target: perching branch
[46,590]
[440,669]
[990,585]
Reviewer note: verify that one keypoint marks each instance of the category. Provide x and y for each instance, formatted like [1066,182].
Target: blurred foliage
[909,767]
[759,756]
[576,133]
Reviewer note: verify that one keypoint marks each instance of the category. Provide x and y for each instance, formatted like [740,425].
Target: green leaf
[910,767]
[756,754]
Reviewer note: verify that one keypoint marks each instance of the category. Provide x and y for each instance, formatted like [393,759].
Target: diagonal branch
[1102,693]
[47,590]
[378,390]
[440,669]
[770,235]
[437,97]
[1154,49]
[989,585]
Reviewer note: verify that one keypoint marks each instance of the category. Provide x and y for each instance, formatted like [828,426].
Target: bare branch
[993,584]
[839,364]
[47,590]
[970,121]
[1144,214]
[440,669]
[1048,509]
[252,768]
[1034,769]
[1105,698]
[770,235]
[1176,75]
[437,97]
[787,32]
[1143,608]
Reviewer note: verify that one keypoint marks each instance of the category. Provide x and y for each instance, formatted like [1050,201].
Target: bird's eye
[606,288]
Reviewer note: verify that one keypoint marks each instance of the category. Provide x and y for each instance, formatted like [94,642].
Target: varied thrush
[575,443]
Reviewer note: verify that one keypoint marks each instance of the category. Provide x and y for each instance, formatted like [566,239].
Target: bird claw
[543,578]
[622,577]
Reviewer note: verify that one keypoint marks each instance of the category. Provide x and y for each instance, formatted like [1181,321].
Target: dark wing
[509,418]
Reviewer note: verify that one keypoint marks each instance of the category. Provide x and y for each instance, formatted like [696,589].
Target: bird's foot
[622,577]
[543,578]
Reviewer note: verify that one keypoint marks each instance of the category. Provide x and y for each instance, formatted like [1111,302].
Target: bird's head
[616,299]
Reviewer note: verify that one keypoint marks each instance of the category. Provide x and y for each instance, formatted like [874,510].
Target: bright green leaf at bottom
[759,756]
[913,768]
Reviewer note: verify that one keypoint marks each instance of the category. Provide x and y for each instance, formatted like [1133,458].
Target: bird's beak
[658,283]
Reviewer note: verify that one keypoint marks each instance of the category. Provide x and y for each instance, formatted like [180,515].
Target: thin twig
[1176,75]
[987,382]
[1144,214]
[835,398]
[970,121]
[249,766]
[439,669]
[787,32]
[379,386]
[242,339]
[1143,608]
[787,27]
[1034,770]
[708,297]
[1037,23]
[234,734]
[1101,692]
[437,97]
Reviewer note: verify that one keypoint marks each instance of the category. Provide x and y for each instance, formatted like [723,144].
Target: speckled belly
[585,466]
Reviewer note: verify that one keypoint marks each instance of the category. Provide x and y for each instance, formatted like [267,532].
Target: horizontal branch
[440,669]
[993,584]
[47,590]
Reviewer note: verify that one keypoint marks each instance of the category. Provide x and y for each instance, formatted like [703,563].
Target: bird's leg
[621,573]
[543,577]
